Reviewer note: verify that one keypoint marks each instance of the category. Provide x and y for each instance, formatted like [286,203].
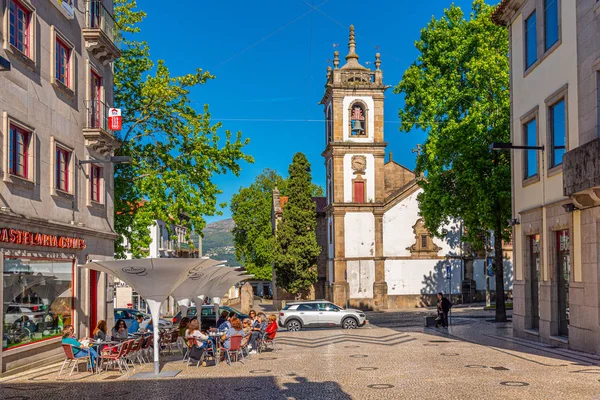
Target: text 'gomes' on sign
[115,122]
[40,239]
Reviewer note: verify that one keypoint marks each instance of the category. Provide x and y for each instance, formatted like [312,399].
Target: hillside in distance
[218,242]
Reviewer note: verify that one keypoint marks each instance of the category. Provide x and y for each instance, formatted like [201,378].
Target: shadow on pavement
[246,388]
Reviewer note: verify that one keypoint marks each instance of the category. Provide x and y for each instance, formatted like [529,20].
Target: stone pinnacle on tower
[351,46]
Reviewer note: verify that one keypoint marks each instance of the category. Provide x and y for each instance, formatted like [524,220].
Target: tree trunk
[499,261]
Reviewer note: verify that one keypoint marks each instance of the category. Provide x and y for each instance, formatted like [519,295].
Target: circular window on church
[358,120]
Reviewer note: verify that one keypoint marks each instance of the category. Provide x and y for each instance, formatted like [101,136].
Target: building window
[558,133]
[358,120]
[97,110]
[19,22]
[424,241]
[62,62]
[37,299]
[329,124]
[63,160]
[358,191]
[550,23]
[530,40]
[531,156]
[96,183]
[19,152]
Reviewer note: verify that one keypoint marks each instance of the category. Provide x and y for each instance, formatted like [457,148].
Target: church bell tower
[354,159]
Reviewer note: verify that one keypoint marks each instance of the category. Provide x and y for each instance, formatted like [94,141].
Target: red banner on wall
[16,236]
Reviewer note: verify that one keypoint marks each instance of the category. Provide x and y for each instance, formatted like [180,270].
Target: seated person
[79,350]
[135,324]
[100,331]
[147,326]
[235,330]
[193,330]
[272,327]
[227,324]
[247,324]
[258,331]
[222,318]
[119,332]
[183,326]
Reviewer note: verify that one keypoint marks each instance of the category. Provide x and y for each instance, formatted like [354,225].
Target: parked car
[208,319]
[15,312]
[129,314]
[319,313]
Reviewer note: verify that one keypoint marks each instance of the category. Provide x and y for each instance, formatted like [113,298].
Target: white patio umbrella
[184,293]
[154,279]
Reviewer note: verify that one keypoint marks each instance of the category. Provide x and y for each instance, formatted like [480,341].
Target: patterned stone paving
[367,363]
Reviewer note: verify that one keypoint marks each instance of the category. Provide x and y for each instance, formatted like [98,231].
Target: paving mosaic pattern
[367,363]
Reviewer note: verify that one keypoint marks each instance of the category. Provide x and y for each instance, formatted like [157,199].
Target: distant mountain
[218,241]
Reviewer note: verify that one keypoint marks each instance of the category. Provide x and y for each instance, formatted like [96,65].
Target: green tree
[176,150]
[458,92]
[296,248]
[253,232]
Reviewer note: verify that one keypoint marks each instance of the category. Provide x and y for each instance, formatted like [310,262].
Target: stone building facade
[555,75]
[56,203]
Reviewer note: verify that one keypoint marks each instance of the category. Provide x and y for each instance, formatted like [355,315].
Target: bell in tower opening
[357,120]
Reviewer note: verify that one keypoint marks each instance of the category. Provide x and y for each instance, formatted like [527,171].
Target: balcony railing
[97,115]
[98,17]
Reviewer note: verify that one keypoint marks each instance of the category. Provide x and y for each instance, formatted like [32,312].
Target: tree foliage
[458,91]
[296,247]
[176,150]
[253,232]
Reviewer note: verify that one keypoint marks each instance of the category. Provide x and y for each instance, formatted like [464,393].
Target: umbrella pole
[155,312]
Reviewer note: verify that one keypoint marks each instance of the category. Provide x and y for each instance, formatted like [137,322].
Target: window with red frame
[19,18]
[96,183]
[358,192]
[19,151]
[63,159]
[63,55]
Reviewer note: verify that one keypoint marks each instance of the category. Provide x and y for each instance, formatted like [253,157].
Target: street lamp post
[111,160]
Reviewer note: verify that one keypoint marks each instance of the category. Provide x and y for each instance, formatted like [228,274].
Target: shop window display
[38,300]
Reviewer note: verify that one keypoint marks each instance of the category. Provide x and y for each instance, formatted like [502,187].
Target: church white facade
[379,254]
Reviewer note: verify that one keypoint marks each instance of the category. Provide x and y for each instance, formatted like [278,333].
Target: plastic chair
[70,357]
[235,348]
[266,340]
[115,357]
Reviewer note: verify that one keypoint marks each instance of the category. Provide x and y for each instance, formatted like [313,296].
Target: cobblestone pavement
[402,360]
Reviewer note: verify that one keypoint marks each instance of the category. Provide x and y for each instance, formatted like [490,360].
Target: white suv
[319,313]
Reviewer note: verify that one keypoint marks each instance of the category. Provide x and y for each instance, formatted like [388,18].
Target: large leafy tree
[253,232]
[296,248]
[176,150]
[458,91]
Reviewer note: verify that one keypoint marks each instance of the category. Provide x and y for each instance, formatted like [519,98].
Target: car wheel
[293,326]
[349,323]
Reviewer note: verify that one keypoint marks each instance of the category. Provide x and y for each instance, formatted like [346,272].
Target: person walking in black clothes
[443,307]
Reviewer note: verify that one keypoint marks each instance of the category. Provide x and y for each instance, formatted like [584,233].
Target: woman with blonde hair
[100,331]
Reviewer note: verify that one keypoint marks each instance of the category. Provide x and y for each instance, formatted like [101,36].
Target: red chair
[235,348]
[70,357]
[115,357]
[268,341]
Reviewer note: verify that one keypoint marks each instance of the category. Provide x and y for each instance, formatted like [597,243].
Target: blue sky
[270,58]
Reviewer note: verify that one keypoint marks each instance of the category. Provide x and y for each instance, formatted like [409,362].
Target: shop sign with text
[25,238]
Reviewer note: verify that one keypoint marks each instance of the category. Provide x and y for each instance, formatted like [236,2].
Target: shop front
[43,290]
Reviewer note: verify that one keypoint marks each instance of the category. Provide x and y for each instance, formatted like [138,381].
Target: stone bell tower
[354,159]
